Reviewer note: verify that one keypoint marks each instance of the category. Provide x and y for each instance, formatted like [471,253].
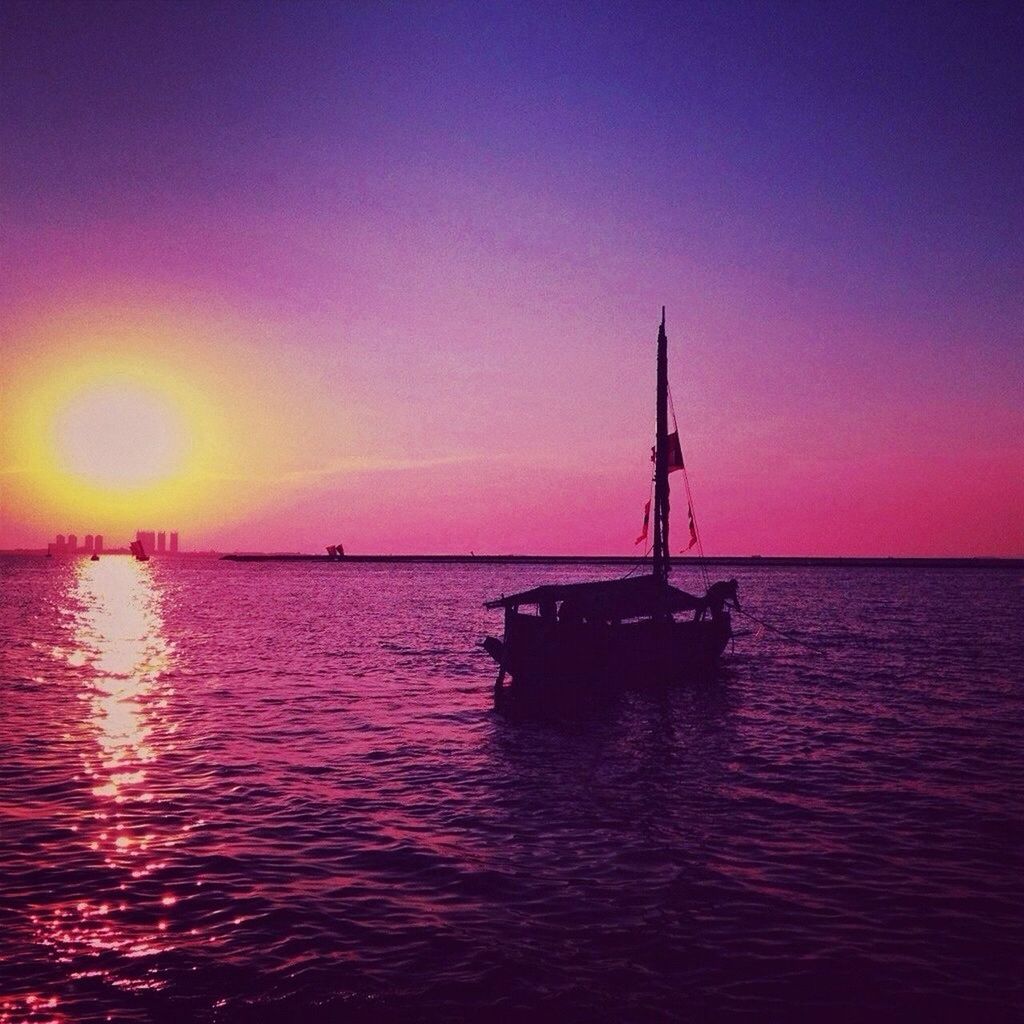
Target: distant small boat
[616,631]
[95,558]
[138,551]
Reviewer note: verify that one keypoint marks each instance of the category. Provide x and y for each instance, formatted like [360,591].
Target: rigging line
[781,632]
[705,576]
[696,529]
[639,564]
[647,549]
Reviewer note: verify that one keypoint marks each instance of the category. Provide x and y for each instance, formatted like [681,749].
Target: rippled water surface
[246,792]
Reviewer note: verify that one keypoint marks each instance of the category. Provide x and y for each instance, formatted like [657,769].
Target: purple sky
[453,225]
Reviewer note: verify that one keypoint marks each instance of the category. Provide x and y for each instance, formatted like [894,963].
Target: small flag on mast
[647,522]
[693,528]
[675,452]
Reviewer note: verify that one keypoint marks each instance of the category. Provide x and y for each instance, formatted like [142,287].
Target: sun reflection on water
[119,628]
[124,661]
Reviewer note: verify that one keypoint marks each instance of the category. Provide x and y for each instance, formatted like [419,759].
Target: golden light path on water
[127,731]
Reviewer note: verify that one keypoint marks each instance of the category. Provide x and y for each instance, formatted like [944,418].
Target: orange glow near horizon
[112,437]
[119,419]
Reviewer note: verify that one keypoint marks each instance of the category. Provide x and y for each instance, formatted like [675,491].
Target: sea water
[247,792]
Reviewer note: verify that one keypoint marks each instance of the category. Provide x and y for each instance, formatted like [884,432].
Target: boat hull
[541,655]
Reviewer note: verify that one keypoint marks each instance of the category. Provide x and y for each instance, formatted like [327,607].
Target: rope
[689,499]
[786,636]
[640,564]
[696,529]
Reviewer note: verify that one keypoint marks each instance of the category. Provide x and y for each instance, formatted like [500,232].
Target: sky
[279,276]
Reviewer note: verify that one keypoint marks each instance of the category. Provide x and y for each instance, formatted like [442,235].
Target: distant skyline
[390,275]
[158,542]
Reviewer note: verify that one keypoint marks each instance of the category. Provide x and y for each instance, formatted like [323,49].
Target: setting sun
[121,435]
[113,416]
[112,436]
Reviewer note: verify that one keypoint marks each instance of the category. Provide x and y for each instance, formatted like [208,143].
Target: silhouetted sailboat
[138,551]
[622,630]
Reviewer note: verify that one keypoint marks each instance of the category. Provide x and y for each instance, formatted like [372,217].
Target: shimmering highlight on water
[260,792]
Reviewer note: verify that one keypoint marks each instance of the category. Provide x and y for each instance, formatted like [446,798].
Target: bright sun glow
[120,435]
[117,419]
[108,438]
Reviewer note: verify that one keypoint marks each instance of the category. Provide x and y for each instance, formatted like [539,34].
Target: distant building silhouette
[97,544]
[161,542]
[72,543]
[174,542]
[61,546]
[87,547]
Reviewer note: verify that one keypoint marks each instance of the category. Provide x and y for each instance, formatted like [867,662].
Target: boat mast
[661,557]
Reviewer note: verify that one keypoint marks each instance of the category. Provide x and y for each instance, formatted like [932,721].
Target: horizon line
[977,561]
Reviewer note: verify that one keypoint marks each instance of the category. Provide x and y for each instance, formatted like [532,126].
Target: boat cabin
[604,602]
